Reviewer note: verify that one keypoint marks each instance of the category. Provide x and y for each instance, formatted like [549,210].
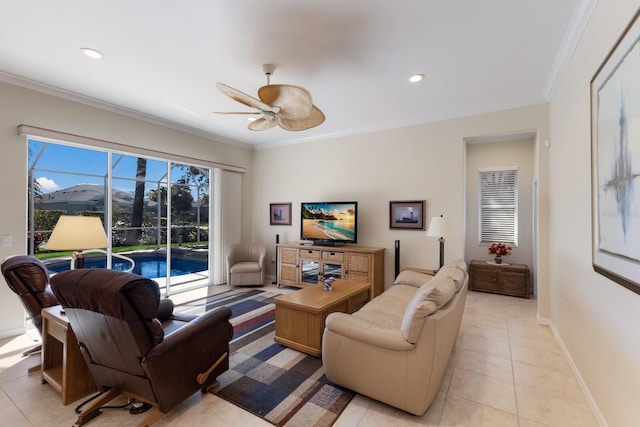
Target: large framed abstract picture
[615,161]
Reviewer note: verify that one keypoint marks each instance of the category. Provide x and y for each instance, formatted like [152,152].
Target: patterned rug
[279,384]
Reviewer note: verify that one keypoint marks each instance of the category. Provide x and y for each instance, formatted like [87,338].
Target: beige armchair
[246,264]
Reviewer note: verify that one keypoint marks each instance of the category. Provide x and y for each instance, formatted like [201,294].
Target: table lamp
[77,233]
[440,227]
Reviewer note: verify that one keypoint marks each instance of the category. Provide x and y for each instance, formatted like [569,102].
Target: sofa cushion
[459,277]
[412,278]
[440,290]
[245,267]
[382,320]
[459,263]
[454,273]
[428,298]
[417,310]
[402,292]
[388,303]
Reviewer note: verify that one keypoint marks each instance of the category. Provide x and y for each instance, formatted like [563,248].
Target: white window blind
[499,205]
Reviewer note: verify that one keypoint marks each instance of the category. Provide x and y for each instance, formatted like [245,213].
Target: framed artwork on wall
[280,214]
[406,215]
[615,161]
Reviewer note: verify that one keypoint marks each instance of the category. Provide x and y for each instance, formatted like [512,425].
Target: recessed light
[92,53]
[416,78]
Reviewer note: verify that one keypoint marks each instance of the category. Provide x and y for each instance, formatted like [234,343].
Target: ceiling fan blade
[314,119]
[294,101]
[251,113]
[262,124]
[243,98]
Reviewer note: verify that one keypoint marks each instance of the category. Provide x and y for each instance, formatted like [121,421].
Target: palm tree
[133,236]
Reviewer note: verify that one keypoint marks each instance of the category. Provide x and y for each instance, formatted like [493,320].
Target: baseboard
[9,333]
[583,386]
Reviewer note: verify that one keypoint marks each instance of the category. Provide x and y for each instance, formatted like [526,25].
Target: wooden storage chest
[505,279]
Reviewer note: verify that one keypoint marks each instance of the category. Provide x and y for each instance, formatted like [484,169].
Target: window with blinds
[499,205]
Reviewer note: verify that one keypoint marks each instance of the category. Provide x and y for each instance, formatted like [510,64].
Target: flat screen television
[329,223]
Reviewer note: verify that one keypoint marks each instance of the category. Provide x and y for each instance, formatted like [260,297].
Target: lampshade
[440,227]
[76,233]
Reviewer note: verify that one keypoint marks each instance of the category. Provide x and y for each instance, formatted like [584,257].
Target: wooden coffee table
[300,315]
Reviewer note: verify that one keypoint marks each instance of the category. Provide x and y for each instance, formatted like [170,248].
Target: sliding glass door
[156,211]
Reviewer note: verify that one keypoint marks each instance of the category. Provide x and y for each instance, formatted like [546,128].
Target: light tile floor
[506,370]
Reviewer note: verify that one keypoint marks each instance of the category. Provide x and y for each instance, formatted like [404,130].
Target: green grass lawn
[48,255]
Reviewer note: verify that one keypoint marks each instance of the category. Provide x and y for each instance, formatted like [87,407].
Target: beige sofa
[397,347]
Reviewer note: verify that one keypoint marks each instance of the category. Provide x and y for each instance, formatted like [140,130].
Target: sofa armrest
[361,330]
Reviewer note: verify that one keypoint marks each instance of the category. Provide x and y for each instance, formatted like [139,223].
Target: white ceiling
[162,58]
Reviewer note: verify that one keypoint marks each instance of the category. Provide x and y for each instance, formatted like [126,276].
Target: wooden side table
[505,279]
[63,365]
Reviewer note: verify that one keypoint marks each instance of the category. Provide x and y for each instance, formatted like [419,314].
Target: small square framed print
[406,215]
[280,214]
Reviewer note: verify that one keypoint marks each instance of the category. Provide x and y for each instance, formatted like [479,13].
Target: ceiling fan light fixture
[416,78]
[288,106]
[92,53]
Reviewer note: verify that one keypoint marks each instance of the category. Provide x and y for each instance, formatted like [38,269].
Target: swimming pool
[151,265]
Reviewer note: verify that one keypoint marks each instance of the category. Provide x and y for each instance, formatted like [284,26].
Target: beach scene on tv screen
[327,221]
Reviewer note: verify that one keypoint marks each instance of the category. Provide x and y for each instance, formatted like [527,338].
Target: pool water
[152,265]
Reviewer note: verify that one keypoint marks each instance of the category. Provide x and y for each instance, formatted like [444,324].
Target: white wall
[23,106]
[518,153]
[597,319]
[425,162]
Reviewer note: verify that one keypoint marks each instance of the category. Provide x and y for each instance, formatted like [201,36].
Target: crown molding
[113,108]
[579,21]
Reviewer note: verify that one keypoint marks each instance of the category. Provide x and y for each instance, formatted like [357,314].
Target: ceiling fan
[287,106]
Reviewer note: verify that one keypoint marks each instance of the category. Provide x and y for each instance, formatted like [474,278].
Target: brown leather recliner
[136,346]
[28,277]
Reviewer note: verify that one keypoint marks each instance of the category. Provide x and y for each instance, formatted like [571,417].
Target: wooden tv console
[303,264]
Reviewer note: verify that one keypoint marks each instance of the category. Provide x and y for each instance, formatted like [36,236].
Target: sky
[86,166]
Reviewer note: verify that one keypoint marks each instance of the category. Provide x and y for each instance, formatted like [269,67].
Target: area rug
[279,384]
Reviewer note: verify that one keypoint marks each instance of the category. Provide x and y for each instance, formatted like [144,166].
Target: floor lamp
[77,233]
[440,227]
